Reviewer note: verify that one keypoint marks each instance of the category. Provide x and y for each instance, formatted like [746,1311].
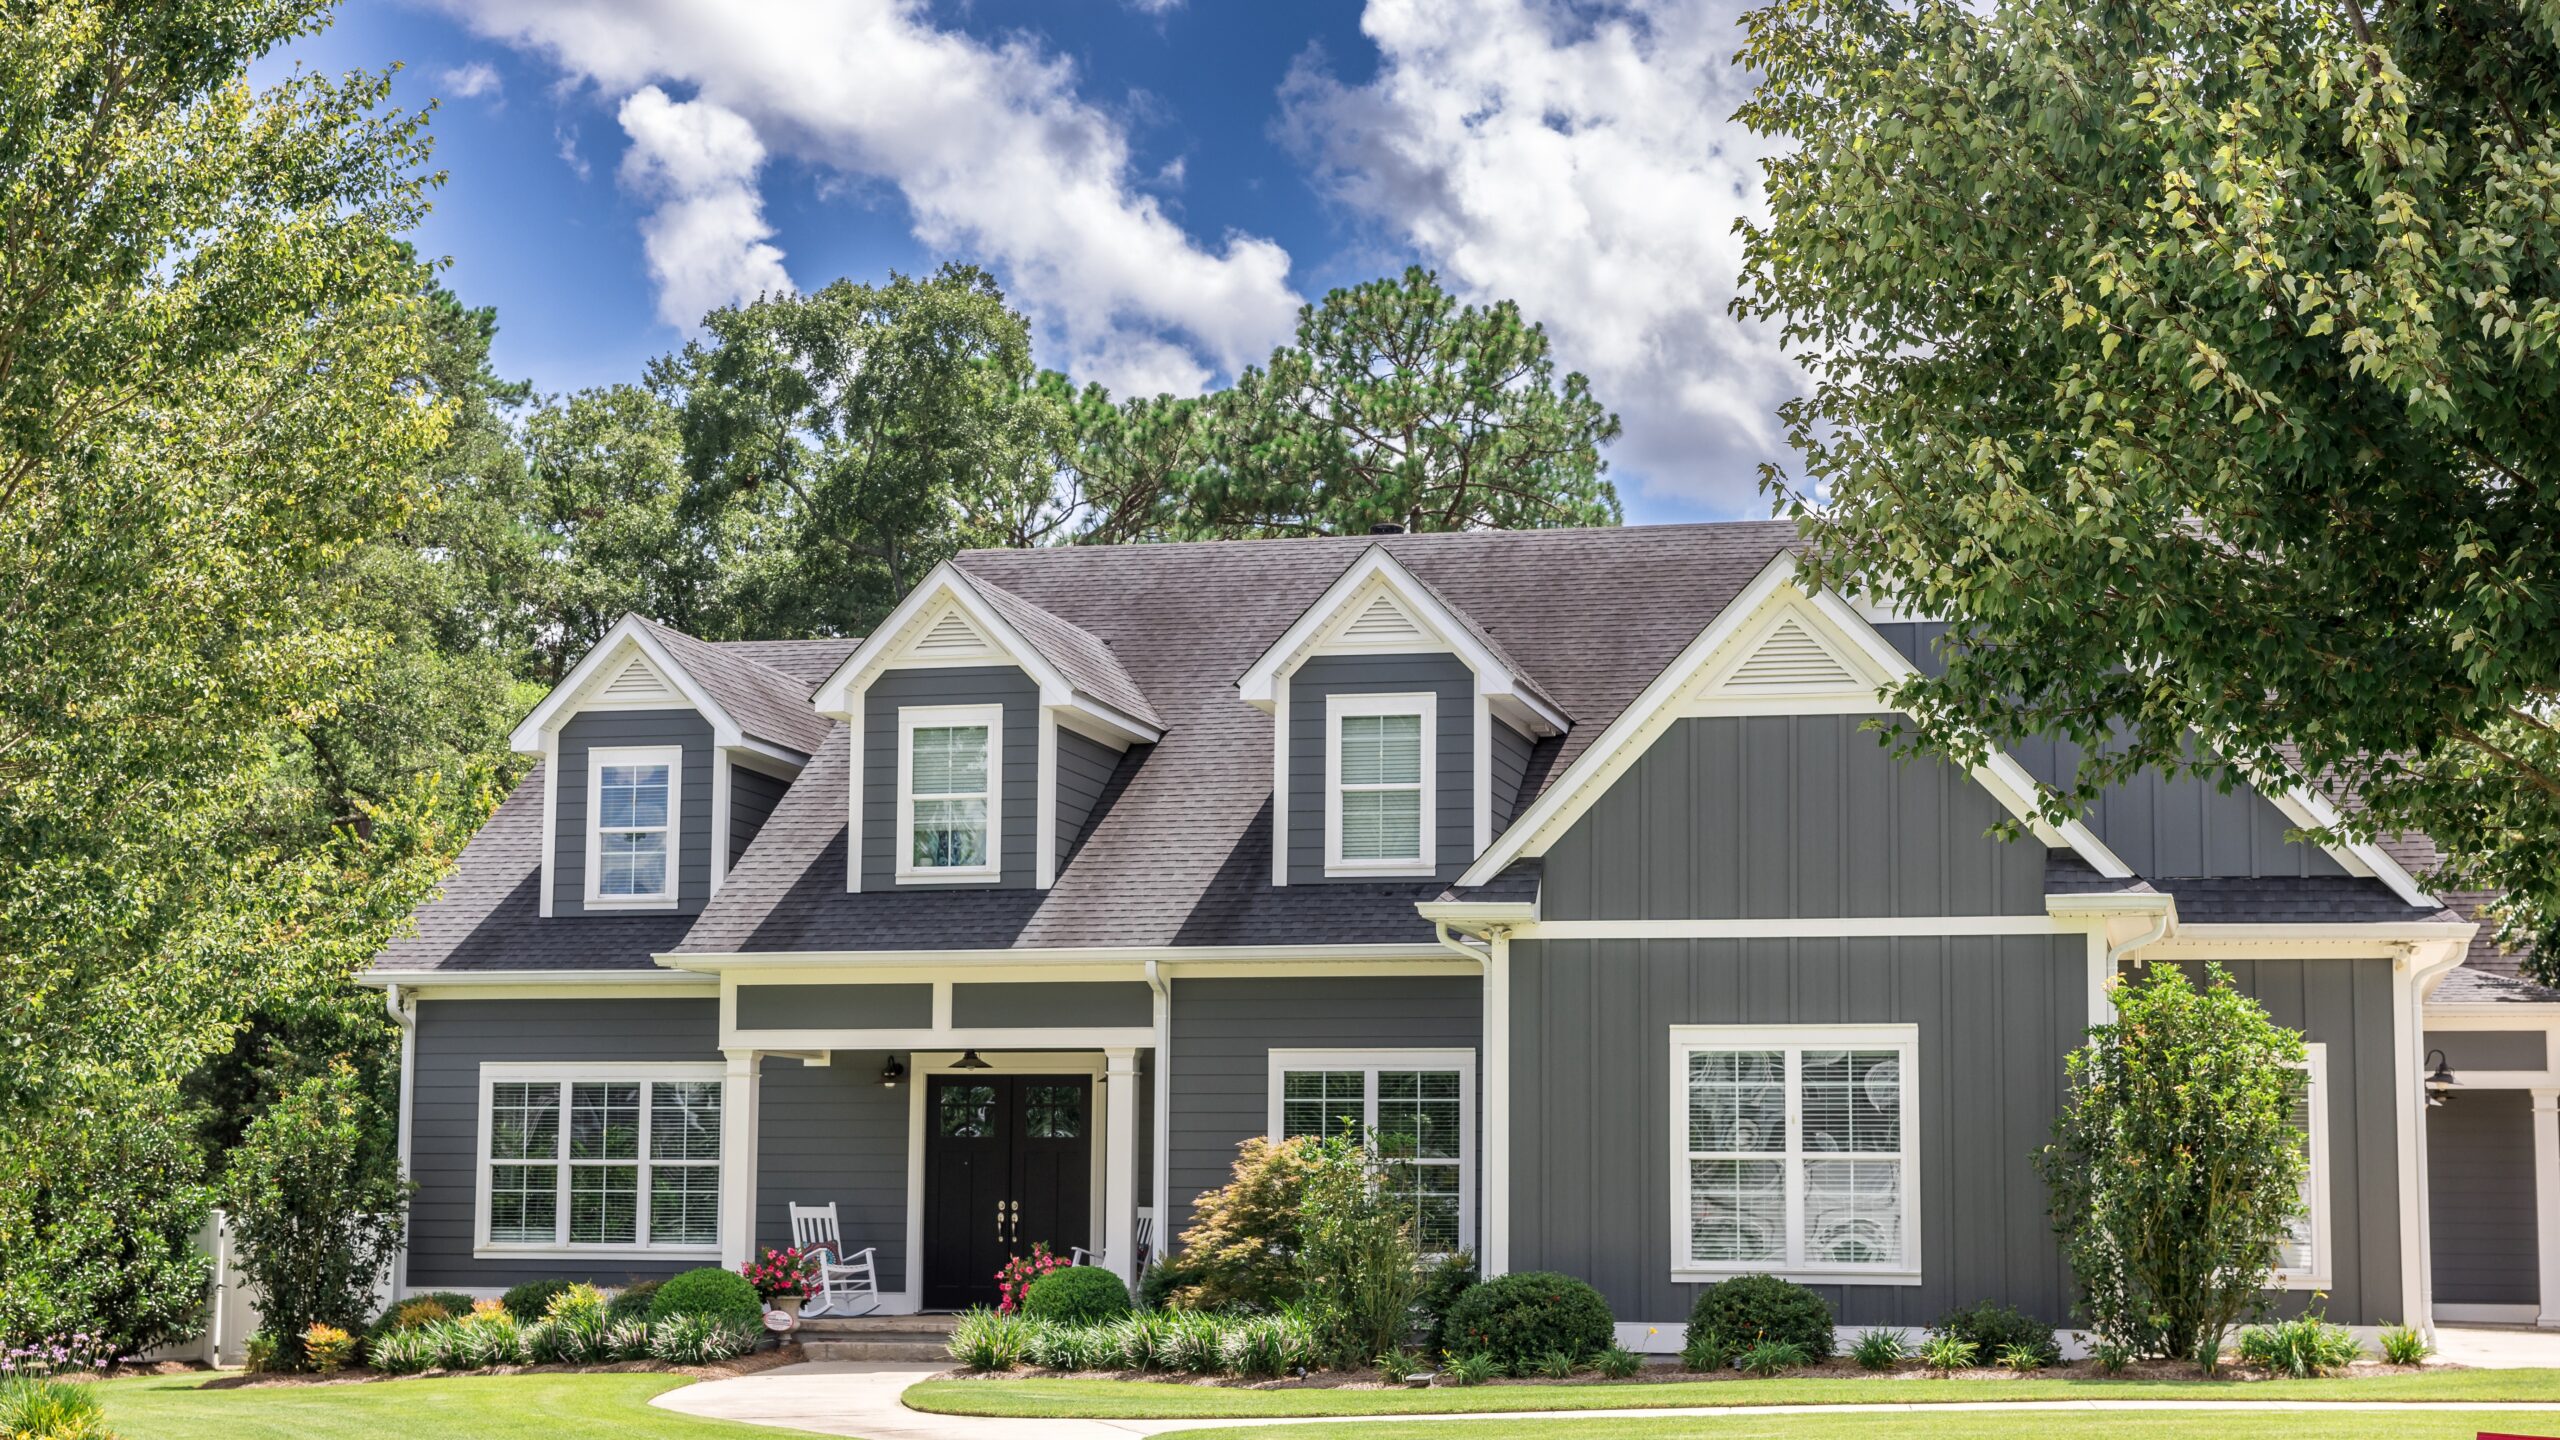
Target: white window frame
[912,718]
[598,757]
[566,1075]
[1338,705]
[2315,1180]
[1369,1063]
[1794,1040]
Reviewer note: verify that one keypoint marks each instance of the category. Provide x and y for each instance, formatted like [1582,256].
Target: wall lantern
[2440,1082]
[892,1072]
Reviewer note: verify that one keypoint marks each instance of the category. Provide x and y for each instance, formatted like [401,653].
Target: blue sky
[1158,184]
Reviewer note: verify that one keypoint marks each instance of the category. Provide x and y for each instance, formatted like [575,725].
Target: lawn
[1957,1425]
[485,1407]
[1141,1400]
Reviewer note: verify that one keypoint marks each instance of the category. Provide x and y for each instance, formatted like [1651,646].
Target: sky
[1157,184]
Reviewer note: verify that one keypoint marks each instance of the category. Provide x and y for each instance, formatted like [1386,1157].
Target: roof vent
[951,635]
[1790,659]
[1386,527]
[636,683]
[1381,622]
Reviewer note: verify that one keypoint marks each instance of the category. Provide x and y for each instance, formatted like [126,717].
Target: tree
[102,1194]
[315,1207]
[2176,1164]
[2198,361]
[1396,405]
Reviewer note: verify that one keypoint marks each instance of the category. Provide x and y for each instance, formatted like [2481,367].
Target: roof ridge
[1401,537]
[727,649]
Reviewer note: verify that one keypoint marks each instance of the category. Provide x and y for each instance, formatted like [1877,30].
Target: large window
[1795,1151]
[950,783]
[1379,754]
[2303,1263]
[606,1160]
[632,809]
[1416,1107]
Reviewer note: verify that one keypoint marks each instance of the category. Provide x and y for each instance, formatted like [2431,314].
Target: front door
[1008,1163]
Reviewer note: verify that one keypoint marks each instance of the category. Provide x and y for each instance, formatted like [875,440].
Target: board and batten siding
[1085,767]
[895,690]
[1591,1137]
[454,1039]
[752,796]
[1453,780]
[2480,1200]
[1225,1030]
[1788,816]
[610,729]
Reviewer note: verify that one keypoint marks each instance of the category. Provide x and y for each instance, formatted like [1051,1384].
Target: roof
[1084,659]
[2467,986]
[769,703]
[2284,900]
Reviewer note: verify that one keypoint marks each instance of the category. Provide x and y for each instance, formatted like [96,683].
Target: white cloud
[566,136]
[706,240]
[1586,167]
[997,156]
[470,82]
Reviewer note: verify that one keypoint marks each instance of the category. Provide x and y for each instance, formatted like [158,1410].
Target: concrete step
[913,1349]
[850,1326]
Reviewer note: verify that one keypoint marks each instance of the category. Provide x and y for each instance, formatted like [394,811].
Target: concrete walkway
[2499,1347]
[862,1400]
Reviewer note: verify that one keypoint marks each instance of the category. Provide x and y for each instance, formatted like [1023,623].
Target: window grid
[947,790]
[1416,1120]
[633,823]
[636,1165]
[1795,1155]
[2299,1260]
[1381,787]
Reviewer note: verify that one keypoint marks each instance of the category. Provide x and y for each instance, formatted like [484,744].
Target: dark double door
[1008,1164]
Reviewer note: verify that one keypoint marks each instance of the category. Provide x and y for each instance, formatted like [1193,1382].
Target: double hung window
[1415,1108]
[950,784]
[1379,788]
[604,1160]
[2303,1261]
[632,803]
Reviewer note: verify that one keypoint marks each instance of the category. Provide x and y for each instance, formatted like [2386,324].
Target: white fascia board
[2110,903]
[2379,932]
[1479,912]
[2308,809]
[430,981]
[1135,955]
[629,632]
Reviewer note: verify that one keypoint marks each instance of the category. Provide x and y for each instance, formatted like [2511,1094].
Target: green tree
[315,1206]
[1358,1266]
[2176,1164]
[102,1194]
[2198,359]
[1395,405]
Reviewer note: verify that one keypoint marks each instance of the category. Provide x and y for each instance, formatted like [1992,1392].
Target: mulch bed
[1836,1368]
[724,1370]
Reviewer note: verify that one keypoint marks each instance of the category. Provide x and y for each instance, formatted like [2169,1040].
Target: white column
[1493,1247]
[738,1160]
[1120,1162]
[2546,1198]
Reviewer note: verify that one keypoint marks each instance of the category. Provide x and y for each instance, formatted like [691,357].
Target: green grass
[1959,1425]
[485,1407]
[1140,1400]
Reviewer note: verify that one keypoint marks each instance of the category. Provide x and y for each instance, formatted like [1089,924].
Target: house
[1559,856]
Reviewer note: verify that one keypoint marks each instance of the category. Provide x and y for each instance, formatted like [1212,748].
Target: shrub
[327,1348]
[1255,1347]
[1442,1284]
[1357,1265]
[704,1337]
[1140,1336]
[403,1351]
[1733,1315]
[2300,1348]
[1554,1365]
[315,1199]
[1021,1272]
[531,1300]
[1192,1342]
[410,1314]
[579,1302]
[2404,1346]
[632,1301]
[258,1357]
[1471,1369]
[1879,1349]
[983,1339]
[2022,1358]
[1396,1366]
[1241,1249]
[1519,1317]
[2110,1357]
[1077,1295]
[1948,1353]
[781,1275]
[1165,1278]
[1772,1357]
[1995,1330]
[486,1337]
[37,1409]
[2168,1256]
[626,1339]
[1618,1362]
[711,1293]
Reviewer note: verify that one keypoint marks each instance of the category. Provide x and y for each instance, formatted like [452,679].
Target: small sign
[781,1322]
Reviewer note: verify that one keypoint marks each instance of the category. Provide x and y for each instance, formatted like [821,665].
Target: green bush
[709,1292]
[1619,1363]
[1995,1330]
[2300,1348]
[421,1309]
[632,1301]
[1077,1295]
[531,1300]
[1948,1353]
[2404,1346]
[404,1351]
[315,1200]
[1167,1276]
[32,1409]
[1471,1369]
[1442,1284]
[1518,1318]
[1241,1250]
[1358,1270]
[703,1337]
[984,1339]
[1772,1357]
[1879,1349]
[1733,1315]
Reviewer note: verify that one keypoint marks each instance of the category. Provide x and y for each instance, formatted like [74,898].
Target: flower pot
[787,1304]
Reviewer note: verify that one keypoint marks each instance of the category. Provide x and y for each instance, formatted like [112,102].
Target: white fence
[231,1311]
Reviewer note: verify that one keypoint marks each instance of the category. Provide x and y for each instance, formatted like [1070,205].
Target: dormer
[1400,731]
[983,729]
[661,756]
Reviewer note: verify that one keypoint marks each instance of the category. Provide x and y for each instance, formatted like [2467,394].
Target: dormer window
[950,780]
[1379,759]
[632,795]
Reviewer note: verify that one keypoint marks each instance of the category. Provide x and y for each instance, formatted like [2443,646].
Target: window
[632,804]
[1795,1152]
[607,1161]
[1380,751]
[2303,1262]
[1416,1108]
[950,779]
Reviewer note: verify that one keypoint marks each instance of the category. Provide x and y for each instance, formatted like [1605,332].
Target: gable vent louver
[636,683]
[1789,659]
[952,635]
[1381,623]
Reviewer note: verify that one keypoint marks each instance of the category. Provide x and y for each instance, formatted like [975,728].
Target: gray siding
[1084,768]
[1591,1121]
[752,796]
[2345,1005]
[969,685]
[1225,1030]
[835,1133]
[2489,1049]
[593,728]
[835,1007]
[2480,1200]
[1789,816]
[1442,675]
[455,1037]
[1021,1004]
[1510,766]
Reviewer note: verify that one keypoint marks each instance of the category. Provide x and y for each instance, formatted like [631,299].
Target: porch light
[2440,1083]
[892,1072]
[970,1061]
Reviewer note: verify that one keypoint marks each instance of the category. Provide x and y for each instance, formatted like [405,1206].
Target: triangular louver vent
[637,682]
[1381,622]
[1790,659]
[951,635]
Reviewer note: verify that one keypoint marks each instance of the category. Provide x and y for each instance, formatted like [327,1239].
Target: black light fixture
[970,1061]
[2440,1082]
[892,1072]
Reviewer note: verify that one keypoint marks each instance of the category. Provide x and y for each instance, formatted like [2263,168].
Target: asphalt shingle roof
[1083,657]
[768,703]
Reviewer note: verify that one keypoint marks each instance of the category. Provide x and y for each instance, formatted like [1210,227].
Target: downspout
[1493,1204]
[404,1013]
[2116,953]
[1162,1191]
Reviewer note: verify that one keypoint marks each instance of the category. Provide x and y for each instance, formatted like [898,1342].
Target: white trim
[435,984]
[912,718]
[857,771]
[404,1013]
[566,1074]
[1793,1041]
[2323,1245]
[1369,1062]
[2488,1314]
[1044,822]
[721,820]
[2546,1203]
[2412,975]
[550,818]
[600,756]
[1259,957]
[742,1073]
[1783,928]
[1339,705]
[1494,1232]
[1118,1110]
[1483,780]
[2308,809]
[1280,787]
[567,698]
[1007,1037]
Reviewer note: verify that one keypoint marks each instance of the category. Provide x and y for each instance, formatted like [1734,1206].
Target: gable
[949,638]
[635,683]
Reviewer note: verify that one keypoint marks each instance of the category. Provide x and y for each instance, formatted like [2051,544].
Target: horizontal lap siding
[2469,1050]
[2480,1198]
[1590,1096]
[1225,1030]
[614,729]
[962,685]
[834,1133]
[1084,768]
[455,1037]
[752,796]
[1444,677]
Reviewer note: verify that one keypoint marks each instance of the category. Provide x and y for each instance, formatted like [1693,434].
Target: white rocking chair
[1146,1238]
[845,1282]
